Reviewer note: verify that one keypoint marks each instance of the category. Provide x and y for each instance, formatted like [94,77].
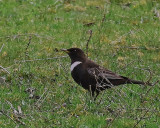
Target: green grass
[33,29]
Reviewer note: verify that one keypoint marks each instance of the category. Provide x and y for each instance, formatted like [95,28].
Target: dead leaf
[2,80]
[97,4]
[140,54]
[108,120]
[70,7]
[89,24]
[4,54]
[79,8]
[51,10]
[105,39]
[120,58]
[19,110]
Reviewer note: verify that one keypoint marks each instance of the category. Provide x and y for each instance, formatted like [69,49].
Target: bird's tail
[130,81]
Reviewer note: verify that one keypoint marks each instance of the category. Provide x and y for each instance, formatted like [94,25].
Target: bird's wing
[101,73]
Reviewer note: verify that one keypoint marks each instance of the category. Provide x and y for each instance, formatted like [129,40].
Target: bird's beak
[65,50]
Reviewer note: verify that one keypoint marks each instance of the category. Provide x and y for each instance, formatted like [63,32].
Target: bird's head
[76,54]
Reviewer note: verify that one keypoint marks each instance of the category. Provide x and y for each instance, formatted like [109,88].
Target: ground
[36,88]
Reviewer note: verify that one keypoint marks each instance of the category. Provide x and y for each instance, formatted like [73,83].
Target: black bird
[92,76]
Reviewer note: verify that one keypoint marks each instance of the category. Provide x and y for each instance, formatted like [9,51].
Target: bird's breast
[81,76]
[77,72]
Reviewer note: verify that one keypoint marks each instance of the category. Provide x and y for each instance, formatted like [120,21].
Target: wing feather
[102,73]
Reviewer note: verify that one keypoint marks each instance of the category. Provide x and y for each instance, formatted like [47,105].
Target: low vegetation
[36,88]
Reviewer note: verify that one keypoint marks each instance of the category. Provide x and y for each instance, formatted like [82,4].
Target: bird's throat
[76,63]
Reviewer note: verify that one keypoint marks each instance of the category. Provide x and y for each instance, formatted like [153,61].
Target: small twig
[138,48]
[120,38]
[11,105]
[151,87]
[29,42]
[27,34]
[46,89]
[103,19]
[43,99]
[140,109]
[16,113]
[141,118]
[150,76]
[23,61]
[126,66]
[64,68]
[2,47]
[90,32]
[113,120]
[7,116]
[5,69]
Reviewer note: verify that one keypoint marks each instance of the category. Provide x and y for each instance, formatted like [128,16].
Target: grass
[125,39]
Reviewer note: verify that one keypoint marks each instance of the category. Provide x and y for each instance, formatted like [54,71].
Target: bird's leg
[95,97]
[92,95]
[91,91]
